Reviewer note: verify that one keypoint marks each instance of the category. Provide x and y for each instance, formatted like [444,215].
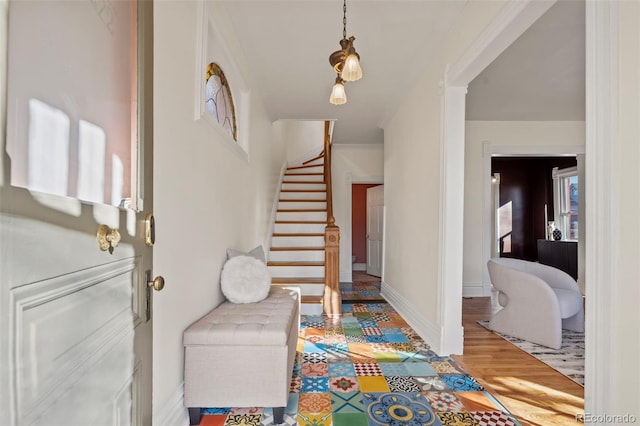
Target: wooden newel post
[332,300]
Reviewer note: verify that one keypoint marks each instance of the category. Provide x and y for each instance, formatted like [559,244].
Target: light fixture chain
[344,20]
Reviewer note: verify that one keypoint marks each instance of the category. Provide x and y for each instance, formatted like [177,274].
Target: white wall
[208,197]
[516,135]
[623,289]
[304,139]
[412,171]
[353,163]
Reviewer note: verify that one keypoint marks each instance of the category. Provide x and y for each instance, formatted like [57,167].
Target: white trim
[347,239]
[207,30]
[512,20]
[490,151]
[532,150]
[266,245]
[601,133]
[451,201]
[359,267]
[476,289]
[172,412]
[428,330]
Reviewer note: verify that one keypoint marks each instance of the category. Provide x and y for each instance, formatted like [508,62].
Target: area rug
[363,289]
[568,360]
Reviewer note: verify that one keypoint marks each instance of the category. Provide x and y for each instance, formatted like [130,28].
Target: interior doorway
[359,226]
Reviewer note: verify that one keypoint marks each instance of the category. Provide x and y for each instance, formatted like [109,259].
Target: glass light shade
[351,70]
[338,95]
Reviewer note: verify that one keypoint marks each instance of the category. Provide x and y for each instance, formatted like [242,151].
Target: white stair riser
[298,241]
[302,205]
[299,228]
[301,216]
[297,255]
[299,177]
[301,195]
[304,186]
[306,289]
[297,271]
[314,169]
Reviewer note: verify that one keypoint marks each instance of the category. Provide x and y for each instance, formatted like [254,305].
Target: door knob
[157,284]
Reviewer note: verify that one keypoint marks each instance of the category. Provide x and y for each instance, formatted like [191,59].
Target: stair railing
[332,301]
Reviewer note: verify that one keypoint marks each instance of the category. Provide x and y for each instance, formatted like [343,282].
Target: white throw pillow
[245,279]
[257,252]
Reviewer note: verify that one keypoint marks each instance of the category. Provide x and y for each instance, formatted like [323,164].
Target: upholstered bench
[242,355]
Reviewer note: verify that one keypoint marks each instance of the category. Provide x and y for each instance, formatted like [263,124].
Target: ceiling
[287,45]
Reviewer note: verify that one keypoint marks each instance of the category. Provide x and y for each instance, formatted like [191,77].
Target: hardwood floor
[534,392]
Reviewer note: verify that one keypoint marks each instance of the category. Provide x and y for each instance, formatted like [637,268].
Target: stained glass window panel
[219,101]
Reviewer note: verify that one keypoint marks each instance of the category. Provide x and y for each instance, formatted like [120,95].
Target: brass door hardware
[108,238]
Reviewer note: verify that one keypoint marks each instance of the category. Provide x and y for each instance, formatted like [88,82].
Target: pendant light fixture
[345,62]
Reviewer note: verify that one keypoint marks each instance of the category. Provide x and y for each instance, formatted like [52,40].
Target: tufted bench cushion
[242,355]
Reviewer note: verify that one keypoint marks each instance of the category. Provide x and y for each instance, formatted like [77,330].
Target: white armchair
[538,301]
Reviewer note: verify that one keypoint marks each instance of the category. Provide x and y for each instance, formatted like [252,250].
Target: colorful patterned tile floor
[370,368]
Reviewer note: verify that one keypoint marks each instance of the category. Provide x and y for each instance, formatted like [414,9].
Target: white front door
[375,224]
[75,321]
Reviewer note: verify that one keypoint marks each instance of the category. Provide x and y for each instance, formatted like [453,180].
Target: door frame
[601,114]
[346,274]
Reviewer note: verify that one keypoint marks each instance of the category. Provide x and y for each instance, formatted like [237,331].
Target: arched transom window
[219,102]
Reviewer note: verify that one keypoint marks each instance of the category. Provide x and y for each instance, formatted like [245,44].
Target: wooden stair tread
[311,299]
[305,167]
[304,222]
[305,182]
[303,190]
[302,200]
[302,210]
[298,234]
[297,248]
[303,280]
[304,174]
[295,263]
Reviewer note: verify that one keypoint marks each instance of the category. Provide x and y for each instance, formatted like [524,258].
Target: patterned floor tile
[370,369]
[393,369]
[396,338]
[343,384]
[289,419]
[420,369]
[356,338]
[392,330]
[216,410]
[305,419]
[380,317]
[476,401]
[401,384]
[457,419]
[373,384]
[314,384]
[314,357]
[407,409]
[347,402]
[444,401]
[432,383]
[314,339]
[338,338]
[444,367]
[371,331]
[243,420]
[492,418]
[341,369]
[387,357]
[317,369]
[314,403]
[296,385]
[375,339]
[350,419]
[252,410]
[383,347]
[461,382]
[213,420]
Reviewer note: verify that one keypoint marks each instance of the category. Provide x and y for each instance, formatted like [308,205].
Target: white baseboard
[274,210]
[359,267]
[476,289]
[346,277]
[172,412]
[430,332]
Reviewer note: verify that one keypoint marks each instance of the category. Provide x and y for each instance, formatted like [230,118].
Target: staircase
[297,250]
